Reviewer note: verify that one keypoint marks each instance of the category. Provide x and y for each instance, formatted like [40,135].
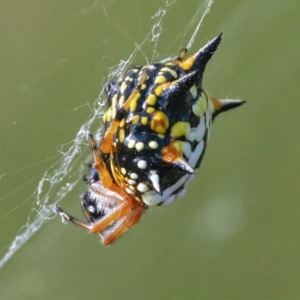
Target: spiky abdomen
[158,124]
[159,150]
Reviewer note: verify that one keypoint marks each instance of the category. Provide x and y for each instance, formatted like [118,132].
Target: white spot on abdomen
[187,149]
[152,198]
[196,154]
[142,187]
[142,164]
[134,176]
[197,133]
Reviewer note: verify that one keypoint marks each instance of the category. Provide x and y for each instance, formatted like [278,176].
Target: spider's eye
[89,204]
[91,209]
[95,213]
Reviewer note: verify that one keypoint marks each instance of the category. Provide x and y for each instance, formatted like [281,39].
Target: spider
[156,130]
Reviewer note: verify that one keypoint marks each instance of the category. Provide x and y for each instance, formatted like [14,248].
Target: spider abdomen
[162,136]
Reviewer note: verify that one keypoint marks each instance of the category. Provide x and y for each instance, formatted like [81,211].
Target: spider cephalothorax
[157,126]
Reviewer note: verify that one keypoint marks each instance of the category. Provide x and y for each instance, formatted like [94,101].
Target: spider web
[58,180]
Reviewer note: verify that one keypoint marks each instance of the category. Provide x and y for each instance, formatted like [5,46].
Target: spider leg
[99,164]
[119,212]
[103,173]
[131,218]
[71,219]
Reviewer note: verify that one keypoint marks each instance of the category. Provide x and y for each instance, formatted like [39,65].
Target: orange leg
[99,164]
[106,146]
[132,218]
[119,212]
[127,210]
[130,212]
[103,173]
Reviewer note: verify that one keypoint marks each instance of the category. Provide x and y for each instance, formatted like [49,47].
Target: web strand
[208,7]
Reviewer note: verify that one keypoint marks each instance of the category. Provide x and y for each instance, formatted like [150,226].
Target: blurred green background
[235,235]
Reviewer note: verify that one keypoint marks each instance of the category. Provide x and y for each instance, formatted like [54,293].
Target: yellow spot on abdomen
[178,146]
[172,72]
[113,105]
[107,115]
[123,87]
[133,103]
[144,120]
[121,101]
[122,123]
[160,79]
[187,64]
[121,135]
[150,110]
[200,107]
[180,129]
[159,122]
[135,119]
[158,90]
[151,100]
[193,91]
